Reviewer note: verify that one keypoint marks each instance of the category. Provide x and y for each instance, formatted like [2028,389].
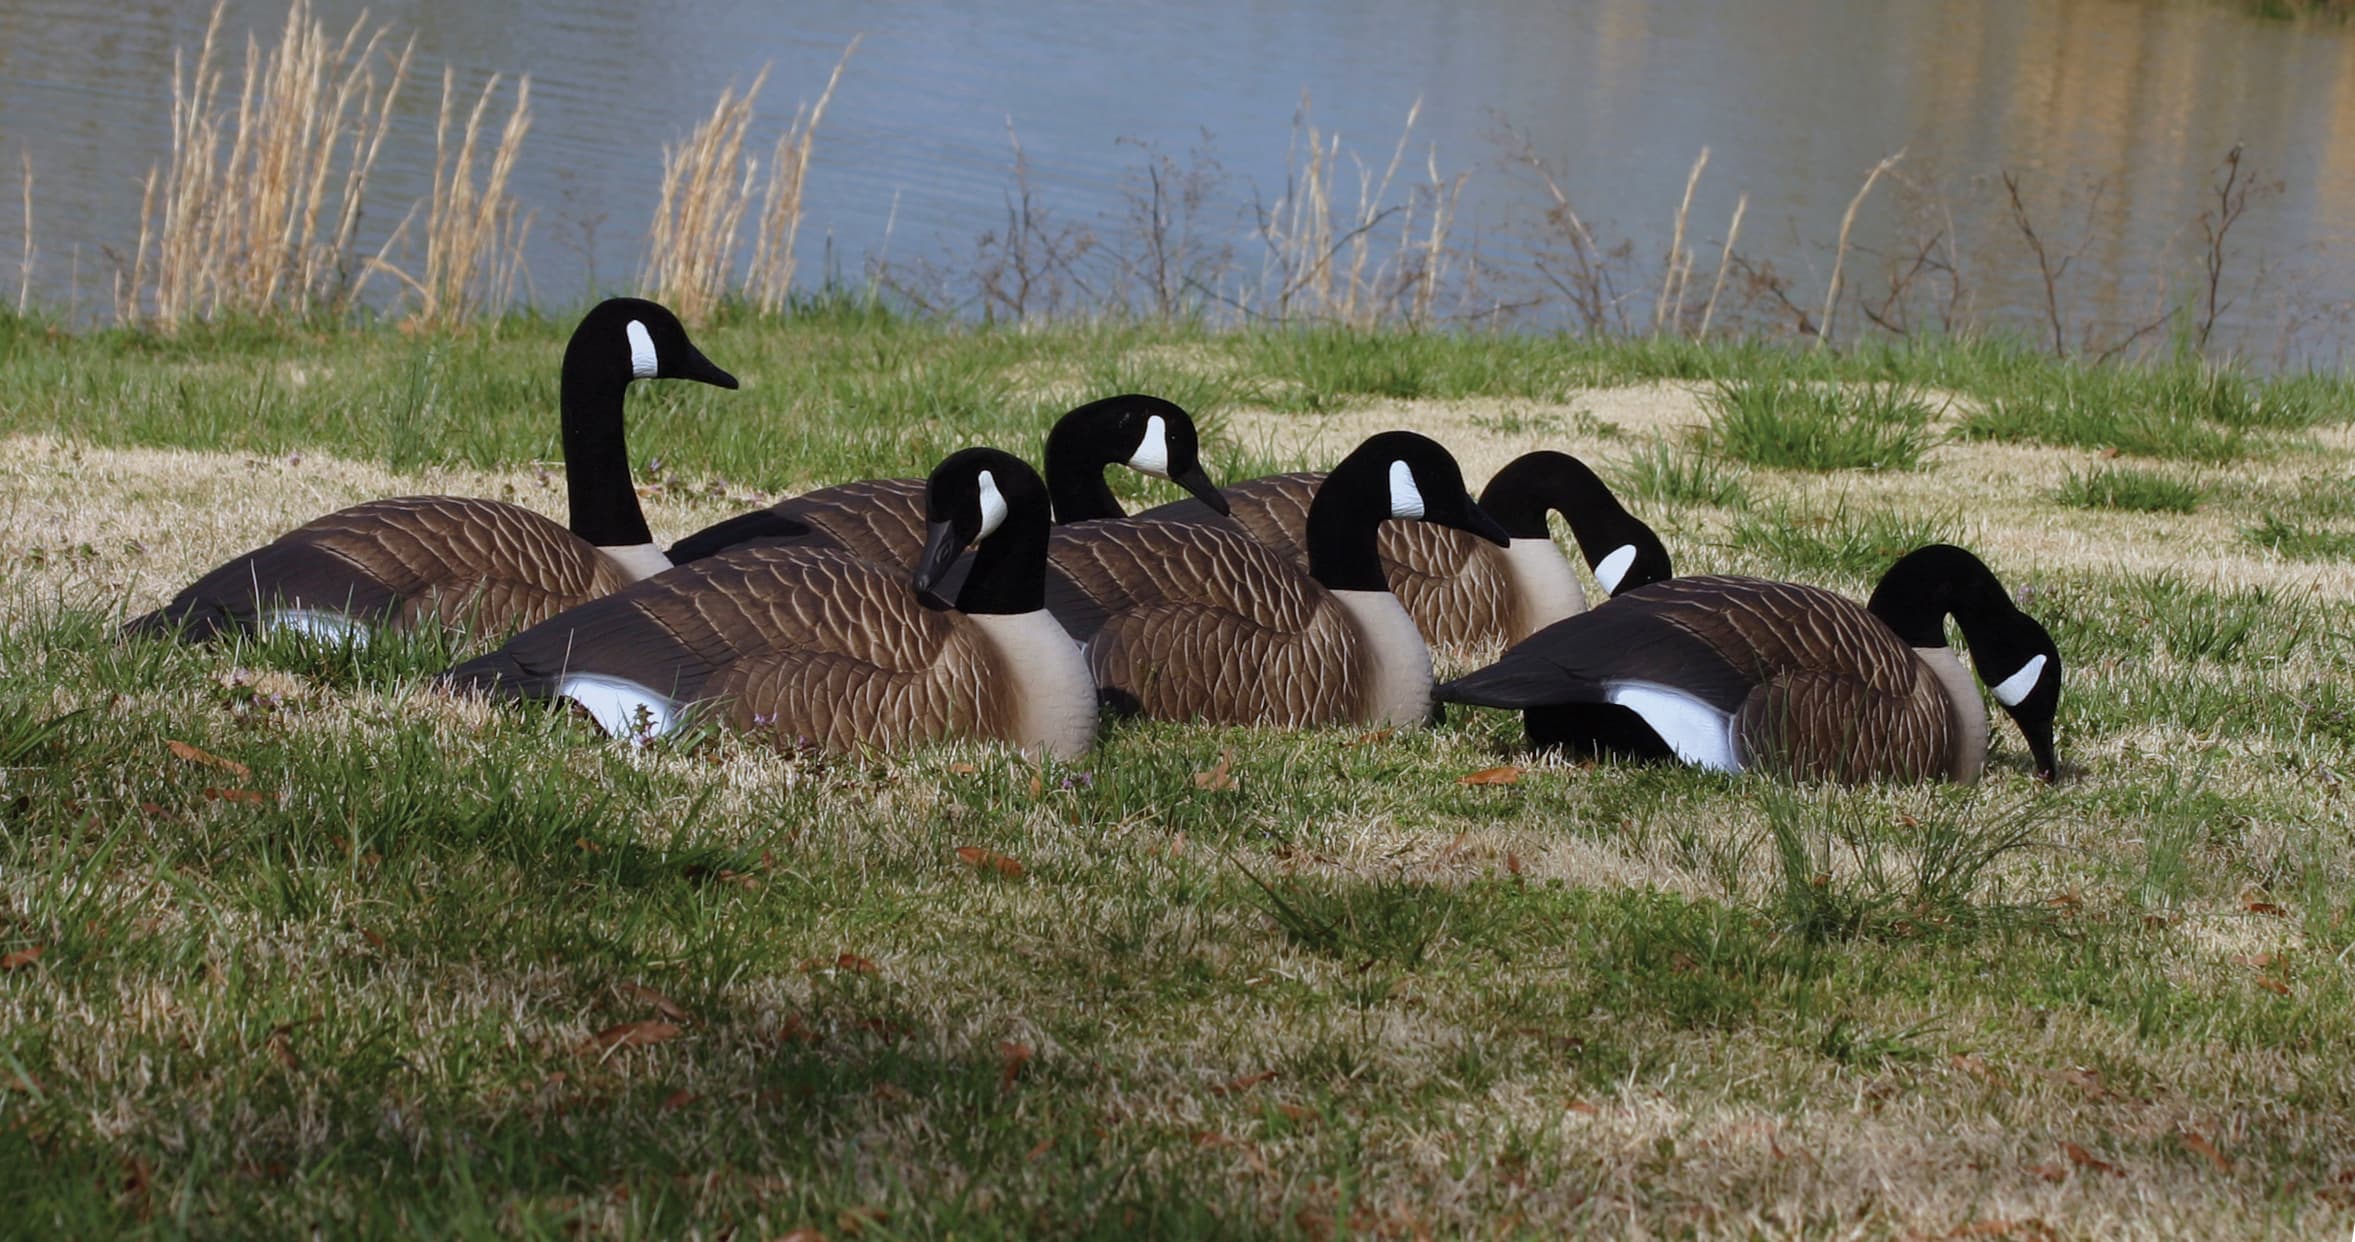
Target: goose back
[402,564]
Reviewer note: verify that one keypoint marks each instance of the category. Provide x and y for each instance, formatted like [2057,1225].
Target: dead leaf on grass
[2196,1143]
[1221,775]
[1243,1083]
[250,797]
[1503,774]
[989,860]
[663,1005]
[630,1035]
[1013,1058]
[23,957]
[209,759]
[2084,1159]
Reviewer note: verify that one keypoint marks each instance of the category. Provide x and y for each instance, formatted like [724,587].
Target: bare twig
[1831,298]
[1717,286]
[1664,311]
[2044,264]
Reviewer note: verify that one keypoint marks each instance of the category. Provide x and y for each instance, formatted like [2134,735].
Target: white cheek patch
[1700,734]
[644,364]
[622,707]
[993,504]
[2019,685]
[1152,455]
[1612,569]
[1406,500]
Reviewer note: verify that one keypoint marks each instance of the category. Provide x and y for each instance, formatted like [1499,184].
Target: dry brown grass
[256,209]
[1322,262]
[474,234]
[708,187]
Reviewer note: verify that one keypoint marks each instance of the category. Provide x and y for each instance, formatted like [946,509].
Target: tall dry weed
[474,234]
[1320,258]
[256,208]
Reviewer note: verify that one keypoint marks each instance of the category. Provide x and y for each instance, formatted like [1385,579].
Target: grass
[2304,543]
[1813,427]
[355,959]
[2130,490]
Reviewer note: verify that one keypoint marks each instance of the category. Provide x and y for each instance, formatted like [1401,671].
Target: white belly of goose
[1398,661]
[621,707]
[636,561]
[1543,582]
[1700,734]
[1968,712]
[1057,712]
[325,627]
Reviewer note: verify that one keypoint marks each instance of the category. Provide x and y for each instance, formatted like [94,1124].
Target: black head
[637,339]
[1144,433]
[985,496]
[1397,474]
[1623,552]
[2012,651]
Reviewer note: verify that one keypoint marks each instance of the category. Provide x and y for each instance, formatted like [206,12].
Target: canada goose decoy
[1461,590]
[1185,620]
[1732,673]
[817,644]
[883,520]
[416,560]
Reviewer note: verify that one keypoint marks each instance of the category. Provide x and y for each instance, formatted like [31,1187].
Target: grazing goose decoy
[415,561]
[1461,590]
[1185,620]
[817,644]
[1732,673]
[883,520]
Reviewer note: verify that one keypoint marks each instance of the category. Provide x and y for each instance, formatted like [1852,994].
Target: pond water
[2113,114]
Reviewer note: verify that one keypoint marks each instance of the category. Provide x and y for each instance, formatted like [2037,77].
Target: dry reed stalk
[1431,255]
[473,236]
[1831,295]
[230,223]
[24,267]
[1724,258]
[770,281]
[1327,266]
[706,188]
[1672,282]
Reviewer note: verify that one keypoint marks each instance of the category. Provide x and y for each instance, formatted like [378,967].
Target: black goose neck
[1009,570]
[1345,527]
[1925,586]
[597,483]
[1535,484]
[1075,464]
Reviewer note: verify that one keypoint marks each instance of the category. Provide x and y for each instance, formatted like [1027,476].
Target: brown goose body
[818,646]
[880,520]
[409,563]
[804,645]
[1732,673]
[1199,622]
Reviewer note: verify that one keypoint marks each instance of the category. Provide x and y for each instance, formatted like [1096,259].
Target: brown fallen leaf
[250,797]
[989,860]
[1012,1059]
[1368,739]
[662,1004]
[1583,1107]
[1243,1083]
[2084,1159]
[1503,774]
[1512,862]
[630,1035]
[676,1100]
[2110,452]
[1221,775]
[964,769]
[2266,907]
[2196,1143]
[2277,986]
[374,941]
[2255,961]
[1040,1148]
[856,965]
[209,759]
[2050,1172]
[23,957]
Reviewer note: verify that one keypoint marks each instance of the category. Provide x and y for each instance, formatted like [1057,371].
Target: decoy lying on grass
[818,644]
[882,520]
[482,565]
[1734,673]
[1461,590]
[1199,621]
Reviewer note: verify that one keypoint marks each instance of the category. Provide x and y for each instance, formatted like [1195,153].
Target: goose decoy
[1460,590]
[882,520]
[1733,673]
[817,644]
[464,563]
[1187,621]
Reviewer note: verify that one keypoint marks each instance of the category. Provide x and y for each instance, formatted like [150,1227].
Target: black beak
[941,546]
[700,368]
[1476,520]
[1197,481]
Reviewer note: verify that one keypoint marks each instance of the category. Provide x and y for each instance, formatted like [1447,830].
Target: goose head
[633,338]
[1623,552]
[1393,475]
[993,499]
[1147,434]
[2012,651]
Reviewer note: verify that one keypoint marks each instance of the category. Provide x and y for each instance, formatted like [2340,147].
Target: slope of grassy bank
[291,943]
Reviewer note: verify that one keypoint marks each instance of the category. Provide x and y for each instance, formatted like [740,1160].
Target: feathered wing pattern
[1814,683]
[1453,583]
[1202,622]
[880,520]
[402,563]
[804,643]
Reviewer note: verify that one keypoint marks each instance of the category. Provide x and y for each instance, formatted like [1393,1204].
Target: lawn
[290,943]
